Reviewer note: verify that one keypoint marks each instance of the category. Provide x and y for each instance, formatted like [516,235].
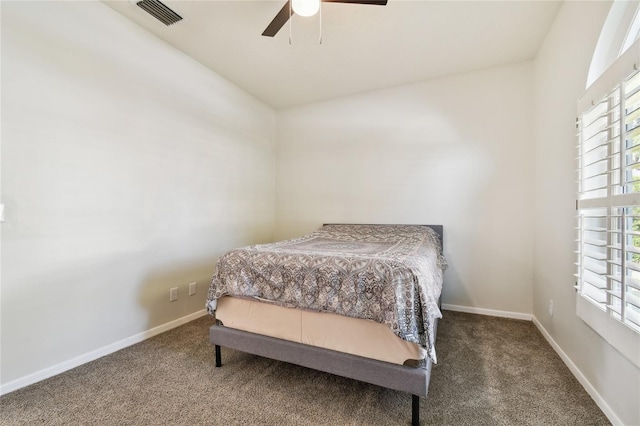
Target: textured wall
[127,169]
[455,151]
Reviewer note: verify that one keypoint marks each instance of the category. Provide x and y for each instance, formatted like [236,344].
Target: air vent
[160,11]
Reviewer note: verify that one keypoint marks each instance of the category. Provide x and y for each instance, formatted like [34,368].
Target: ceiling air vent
[160,11]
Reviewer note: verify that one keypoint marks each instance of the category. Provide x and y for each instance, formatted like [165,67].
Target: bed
[358,301]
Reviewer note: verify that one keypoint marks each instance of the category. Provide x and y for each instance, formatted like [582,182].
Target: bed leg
[218,357]
[415,410]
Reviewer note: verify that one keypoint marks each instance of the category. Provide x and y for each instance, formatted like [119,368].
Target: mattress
[354,336]
[390,274]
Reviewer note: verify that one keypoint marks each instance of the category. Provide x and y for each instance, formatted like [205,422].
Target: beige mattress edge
[355,336]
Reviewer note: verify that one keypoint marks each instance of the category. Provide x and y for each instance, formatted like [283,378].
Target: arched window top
[620,30]
[633,34]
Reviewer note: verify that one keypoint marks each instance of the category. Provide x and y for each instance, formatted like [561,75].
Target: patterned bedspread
[391,274]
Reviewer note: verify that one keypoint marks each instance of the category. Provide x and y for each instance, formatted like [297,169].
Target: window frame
[601,317]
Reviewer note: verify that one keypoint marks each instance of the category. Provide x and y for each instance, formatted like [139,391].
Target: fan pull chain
[320,10]
[290,19]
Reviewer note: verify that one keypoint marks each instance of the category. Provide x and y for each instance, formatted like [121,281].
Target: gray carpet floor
[491,371]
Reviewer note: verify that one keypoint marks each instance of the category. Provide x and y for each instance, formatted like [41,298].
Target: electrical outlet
[173,294]
[551,307]
[192,288]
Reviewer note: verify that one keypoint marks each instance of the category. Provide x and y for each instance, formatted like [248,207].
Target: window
[608,205]
[632,34]
[620,30]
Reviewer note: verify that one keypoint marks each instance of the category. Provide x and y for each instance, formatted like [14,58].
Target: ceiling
[364,47]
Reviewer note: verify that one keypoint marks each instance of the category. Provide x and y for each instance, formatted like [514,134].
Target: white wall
[454,151]
[561,70]
[127,168]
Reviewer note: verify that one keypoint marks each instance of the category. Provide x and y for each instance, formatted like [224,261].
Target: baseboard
[600,402]
[490,312]
[95,354]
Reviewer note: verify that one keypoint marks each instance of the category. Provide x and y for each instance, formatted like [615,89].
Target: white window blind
[608,231]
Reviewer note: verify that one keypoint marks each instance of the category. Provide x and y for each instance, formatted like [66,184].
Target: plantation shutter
[608,205]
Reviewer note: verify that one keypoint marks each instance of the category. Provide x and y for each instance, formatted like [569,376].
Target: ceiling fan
[287,11]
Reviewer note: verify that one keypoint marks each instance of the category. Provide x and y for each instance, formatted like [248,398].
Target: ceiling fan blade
[374,2]
[278,22]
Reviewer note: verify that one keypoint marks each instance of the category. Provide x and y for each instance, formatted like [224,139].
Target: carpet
[490,371]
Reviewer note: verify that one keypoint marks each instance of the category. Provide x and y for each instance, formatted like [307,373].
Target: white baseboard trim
[490,312]
[600,402]
[95,354]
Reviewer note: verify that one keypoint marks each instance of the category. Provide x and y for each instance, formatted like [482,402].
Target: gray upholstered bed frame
[397,377]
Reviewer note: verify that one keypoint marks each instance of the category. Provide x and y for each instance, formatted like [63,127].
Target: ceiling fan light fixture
[305,7]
